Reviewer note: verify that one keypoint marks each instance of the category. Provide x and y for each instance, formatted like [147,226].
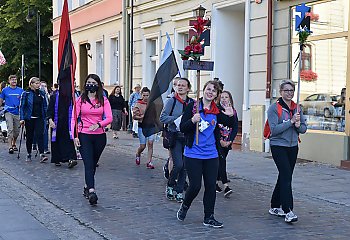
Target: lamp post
[29,18]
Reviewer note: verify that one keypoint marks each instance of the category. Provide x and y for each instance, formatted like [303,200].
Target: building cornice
[152,5]
[151,23]
[93,25]
[182,16]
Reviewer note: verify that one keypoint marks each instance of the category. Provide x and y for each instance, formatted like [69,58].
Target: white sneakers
[277,212]
[288,218]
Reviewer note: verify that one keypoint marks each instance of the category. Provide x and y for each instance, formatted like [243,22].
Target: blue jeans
[142,137]
[178,172]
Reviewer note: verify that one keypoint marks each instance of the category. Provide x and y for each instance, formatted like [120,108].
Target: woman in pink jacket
[93,113]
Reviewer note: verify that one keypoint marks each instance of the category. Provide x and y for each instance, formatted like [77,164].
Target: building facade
[254,47]
[97,30]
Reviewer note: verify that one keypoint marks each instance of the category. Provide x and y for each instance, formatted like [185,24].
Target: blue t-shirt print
[12,98]
[206,148]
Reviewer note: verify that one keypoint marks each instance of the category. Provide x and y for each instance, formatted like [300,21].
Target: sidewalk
[16,223]
[312,179]
[132,203]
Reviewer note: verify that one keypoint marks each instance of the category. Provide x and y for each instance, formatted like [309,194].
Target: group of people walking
[200,134]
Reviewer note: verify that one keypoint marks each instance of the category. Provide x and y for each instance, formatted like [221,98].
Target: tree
[17,37]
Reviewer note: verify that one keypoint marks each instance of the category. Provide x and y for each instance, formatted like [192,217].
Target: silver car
[320,104]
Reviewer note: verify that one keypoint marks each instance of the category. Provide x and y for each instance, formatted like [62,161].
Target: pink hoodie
[90,115]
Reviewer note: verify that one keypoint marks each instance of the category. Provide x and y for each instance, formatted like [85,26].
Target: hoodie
[283,132]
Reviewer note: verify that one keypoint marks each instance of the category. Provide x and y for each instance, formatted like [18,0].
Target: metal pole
[22,71]
[300,67]
[131,42]
[39,41]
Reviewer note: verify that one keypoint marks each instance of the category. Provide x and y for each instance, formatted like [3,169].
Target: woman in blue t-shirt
[202,159]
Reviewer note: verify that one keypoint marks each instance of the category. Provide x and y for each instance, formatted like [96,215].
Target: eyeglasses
[288,91]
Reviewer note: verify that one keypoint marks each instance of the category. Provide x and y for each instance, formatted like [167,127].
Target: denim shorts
[142,137]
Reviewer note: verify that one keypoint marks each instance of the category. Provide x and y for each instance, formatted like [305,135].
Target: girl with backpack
[171,114]
[285,128]
[94,113]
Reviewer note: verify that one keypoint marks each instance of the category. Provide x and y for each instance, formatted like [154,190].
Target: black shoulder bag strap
[171,112]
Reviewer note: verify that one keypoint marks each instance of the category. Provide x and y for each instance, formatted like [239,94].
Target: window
[81,2]
[323,65]
[100,60]
[151,59]
[114,61]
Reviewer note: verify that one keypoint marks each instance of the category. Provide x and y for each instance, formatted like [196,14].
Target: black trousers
[35,127]
[91,148]
[196,168]
[222,174]
[285,159]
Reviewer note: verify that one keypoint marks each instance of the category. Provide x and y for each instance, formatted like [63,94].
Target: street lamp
[199,12]
[29,18]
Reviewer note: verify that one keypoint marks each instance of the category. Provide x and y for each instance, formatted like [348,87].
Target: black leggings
[35,127]
[91,148]
[222,174]
[196,168]
[285,159]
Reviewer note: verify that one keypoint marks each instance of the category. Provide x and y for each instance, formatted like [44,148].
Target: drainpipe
[270,6]
[125,49]
[131,43]
[246,56]
[269,48]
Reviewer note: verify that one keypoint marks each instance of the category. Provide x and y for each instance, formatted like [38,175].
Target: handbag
[169,138]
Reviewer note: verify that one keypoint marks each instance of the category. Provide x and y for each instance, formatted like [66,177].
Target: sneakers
[277,212]
[179,197]
[218,188]
[290,217]
[212,222]
[182,212]
[166,171]
[43,158]
[86,193]
[29,158]
[72,163]
[93,198]
[11,151]
[47,152]
[227,191]
[150,165]
[169,193]
[137,160]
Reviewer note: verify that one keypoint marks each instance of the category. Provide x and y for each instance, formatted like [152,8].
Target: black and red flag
[65,98]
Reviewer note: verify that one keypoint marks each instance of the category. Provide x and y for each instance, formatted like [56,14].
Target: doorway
[83,64]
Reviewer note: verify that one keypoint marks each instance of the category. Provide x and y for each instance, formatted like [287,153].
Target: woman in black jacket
[118,106]
[201,160]
[228,125]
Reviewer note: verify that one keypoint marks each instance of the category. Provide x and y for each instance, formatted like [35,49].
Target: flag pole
[299,79]
[197,108]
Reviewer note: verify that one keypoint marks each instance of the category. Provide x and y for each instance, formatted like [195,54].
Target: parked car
[320,104]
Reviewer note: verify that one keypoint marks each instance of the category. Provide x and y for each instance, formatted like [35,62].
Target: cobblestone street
[132,203]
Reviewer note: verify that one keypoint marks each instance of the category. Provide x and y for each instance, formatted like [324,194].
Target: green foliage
[17,37]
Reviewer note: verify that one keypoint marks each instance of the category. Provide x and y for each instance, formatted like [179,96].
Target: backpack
[267,130]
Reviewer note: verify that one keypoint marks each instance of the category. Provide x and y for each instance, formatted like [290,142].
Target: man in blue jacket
[12,95]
